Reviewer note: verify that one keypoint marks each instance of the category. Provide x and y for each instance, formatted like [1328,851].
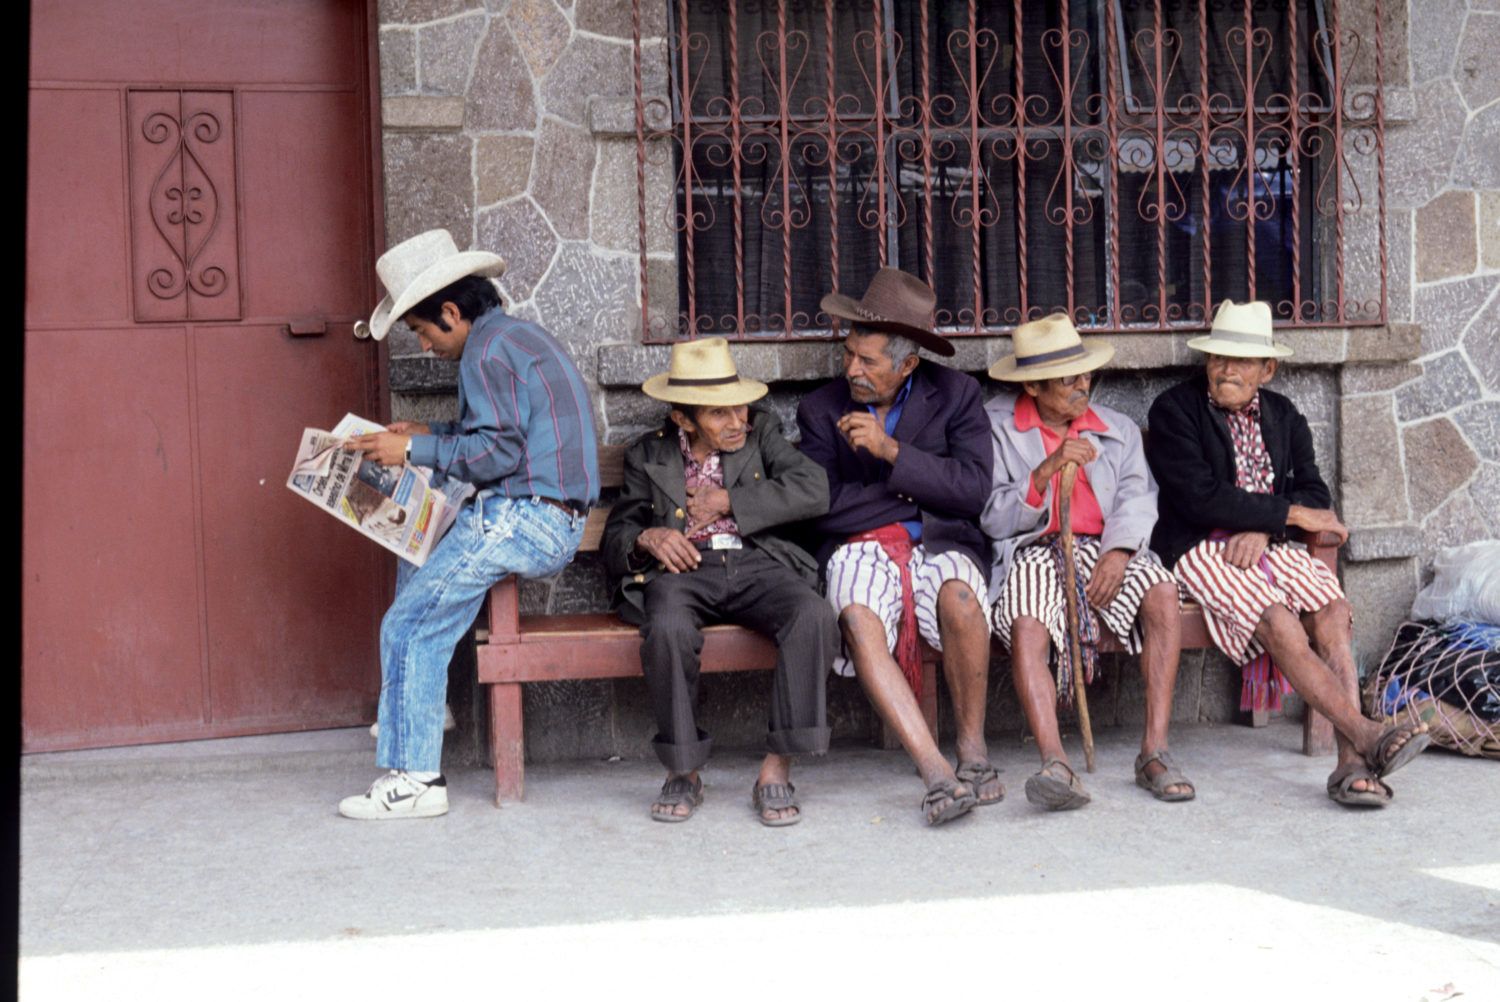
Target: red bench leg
[929,697]
[507,742]
[1317,734]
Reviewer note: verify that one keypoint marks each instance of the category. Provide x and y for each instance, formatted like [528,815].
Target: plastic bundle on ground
[1446,675]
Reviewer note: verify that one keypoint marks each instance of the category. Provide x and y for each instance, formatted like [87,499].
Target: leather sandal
[947,800]
[775,797]
[1383,760]
[1169,776]
[975,775]
[1046,790]
[677,791]
[1341,787]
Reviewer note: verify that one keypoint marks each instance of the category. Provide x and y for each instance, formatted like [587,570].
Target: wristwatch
[408,450]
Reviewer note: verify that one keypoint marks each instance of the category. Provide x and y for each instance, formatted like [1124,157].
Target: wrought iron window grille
[1013,156]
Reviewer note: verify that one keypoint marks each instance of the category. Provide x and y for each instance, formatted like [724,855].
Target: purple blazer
[941,475]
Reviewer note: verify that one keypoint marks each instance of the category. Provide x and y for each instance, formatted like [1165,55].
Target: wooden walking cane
[1070,591]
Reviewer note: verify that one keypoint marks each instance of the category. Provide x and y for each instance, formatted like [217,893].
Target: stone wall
[1420,441]
[510,122]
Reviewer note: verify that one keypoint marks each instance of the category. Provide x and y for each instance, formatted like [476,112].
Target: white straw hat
[703,373]
[414,269]
[1241,330]
[1050,348]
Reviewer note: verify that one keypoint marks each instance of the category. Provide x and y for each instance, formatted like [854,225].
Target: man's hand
[705,505]
[388,448]
[1316,520]
[1109,574]
[1243,549]
[670,547]
[1073,450]
[408,428]
[862,430]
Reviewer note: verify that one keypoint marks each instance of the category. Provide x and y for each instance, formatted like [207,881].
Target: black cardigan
[1192,457]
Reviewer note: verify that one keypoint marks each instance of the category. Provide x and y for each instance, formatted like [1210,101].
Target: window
[1130,161]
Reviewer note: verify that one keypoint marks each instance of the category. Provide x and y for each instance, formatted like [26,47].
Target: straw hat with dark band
[1050,348]
[894,303]
[702,374]
[1241,330]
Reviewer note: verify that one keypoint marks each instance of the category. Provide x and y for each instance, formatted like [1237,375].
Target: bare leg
[966,665]
[1161,629]
[1029,645]
[1329,631]
[1324,687]
[1055,786]
[888,691]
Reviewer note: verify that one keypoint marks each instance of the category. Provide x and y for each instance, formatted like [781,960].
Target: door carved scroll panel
[184,230]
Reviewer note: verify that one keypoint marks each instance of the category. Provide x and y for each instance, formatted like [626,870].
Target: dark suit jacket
[1192,458]
[941,475]
[771,485]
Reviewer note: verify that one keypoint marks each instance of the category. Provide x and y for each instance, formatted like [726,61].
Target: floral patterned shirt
[708,473]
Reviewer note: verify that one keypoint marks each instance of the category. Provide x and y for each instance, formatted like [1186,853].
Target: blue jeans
[437,602]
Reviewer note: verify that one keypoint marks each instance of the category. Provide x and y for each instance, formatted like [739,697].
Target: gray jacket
[1119,478]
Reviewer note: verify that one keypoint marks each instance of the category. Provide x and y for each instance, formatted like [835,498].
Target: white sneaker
[397,795]
[448,722]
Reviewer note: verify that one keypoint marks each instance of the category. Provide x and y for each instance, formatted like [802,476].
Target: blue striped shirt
[525,426]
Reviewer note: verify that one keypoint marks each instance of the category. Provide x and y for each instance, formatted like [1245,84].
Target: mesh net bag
[1447,676]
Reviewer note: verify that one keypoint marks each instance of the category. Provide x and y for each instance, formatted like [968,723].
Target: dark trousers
[750,589]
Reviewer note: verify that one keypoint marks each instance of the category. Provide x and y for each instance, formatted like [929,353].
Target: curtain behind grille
[787,251]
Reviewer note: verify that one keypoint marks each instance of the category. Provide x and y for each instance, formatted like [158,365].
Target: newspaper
[397,506]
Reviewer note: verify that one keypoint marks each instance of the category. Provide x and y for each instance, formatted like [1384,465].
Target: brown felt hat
[895,303]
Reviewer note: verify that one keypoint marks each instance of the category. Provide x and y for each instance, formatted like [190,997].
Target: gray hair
[898,349]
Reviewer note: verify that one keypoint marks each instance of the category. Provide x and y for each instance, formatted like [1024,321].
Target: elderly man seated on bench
[903,441]
[1236,467]
[1036,433]
[698,536]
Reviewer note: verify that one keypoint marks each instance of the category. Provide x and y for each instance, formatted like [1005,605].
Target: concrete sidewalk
[220,869]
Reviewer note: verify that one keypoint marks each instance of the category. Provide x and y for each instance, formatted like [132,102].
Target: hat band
[1052,356]
[714,381]
[1220,334]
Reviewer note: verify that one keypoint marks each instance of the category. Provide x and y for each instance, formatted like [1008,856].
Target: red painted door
[200,185]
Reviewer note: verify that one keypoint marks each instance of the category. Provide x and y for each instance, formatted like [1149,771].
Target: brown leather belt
[563,506]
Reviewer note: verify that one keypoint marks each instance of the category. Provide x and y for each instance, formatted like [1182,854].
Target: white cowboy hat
[414,269]
[1241,330]
[703,374]
[1050,348]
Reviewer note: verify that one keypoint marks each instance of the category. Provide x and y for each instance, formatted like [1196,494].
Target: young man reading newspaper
[525,439]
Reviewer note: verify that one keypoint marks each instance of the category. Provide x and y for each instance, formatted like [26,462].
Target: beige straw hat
[414,269]
[1241,330]
[703,374]
[1050,348]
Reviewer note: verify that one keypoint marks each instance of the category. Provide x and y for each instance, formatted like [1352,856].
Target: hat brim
[1097,354]
[742,391]
[436,276]
[1238,349]
[836,304]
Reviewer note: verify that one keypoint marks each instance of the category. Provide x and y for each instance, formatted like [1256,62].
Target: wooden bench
[516,649]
